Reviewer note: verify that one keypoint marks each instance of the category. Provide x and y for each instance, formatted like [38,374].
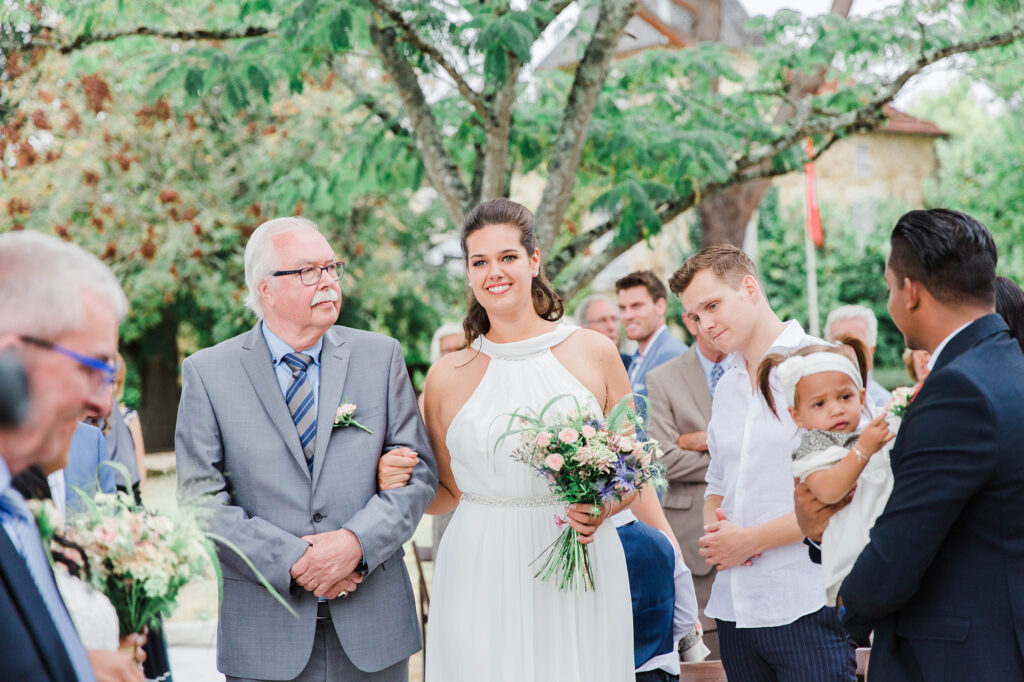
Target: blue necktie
[634,367]
[716,373]
[299,397]
[21,528]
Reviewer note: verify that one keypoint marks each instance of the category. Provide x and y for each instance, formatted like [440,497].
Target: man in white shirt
[767,597]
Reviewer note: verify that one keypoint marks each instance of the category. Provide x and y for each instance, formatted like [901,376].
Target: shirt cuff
[361,566]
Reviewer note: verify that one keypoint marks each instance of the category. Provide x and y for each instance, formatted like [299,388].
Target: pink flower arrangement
[585,459]
[141,560]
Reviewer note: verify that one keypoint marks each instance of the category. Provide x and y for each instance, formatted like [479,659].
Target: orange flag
[813,211]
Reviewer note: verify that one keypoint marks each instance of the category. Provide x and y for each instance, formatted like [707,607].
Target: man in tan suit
[680,404]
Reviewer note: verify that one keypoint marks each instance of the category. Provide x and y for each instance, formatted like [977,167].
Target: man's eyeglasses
[311,275]
[106,370]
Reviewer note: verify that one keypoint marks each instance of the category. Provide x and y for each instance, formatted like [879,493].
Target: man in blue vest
[664,603]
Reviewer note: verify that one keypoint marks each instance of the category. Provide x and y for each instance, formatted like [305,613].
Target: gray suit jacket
[681,403]
[238,454]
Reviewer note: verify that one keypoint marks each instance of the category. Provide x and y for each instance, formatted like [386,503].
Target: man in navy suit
[942,581]
[59,309]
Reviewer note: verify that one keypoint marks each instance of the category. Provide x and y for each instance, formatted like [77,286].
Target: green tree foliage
[850,269]
[623,146]
[979,170]
[168,196]
[159,134]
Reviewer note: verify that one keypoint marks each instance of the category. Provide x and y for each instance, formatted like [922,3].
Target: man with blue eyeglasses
[59,310]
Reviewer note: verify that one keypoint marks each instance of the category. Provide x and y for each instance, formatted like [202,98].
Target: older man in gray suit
[262,442]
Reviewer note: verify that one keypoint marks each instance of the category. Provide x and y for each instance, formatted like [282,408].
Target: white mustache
[323,296]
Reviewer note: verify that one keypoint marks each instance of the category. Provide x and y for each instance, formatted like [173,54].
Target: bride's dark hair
[546,302]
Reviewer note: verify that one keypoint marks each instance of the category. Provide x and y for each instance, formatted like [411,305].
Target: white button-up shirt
[751,451]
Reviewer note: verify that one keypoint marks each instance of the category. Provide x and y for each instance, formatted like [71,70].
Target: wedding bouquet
[141,560]
[138,559]
[585,460]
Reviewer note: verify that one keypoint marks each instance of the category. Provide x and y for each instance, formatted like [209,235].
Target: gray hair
[444,330]
[853,312]
[261,258]
[584,306]
[43,280]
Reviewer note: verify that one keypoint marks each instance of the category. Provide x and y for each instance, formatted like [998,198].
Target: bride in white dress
[490,619]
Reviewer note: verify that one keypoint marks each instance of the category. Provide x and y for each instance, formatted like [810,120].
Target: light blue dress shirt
[278,349]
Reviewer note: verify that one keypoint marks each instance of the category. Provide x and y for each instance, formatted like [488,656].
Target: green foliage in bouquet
[585,460]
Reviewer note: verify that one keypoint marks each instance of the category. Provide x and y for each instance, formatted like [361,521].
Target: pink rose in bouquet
[585,459]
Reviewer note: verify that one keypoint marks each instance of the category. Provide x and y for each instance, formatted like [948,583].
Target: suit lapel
[25,595]
[693,375]
[260,368]
[334,359]
[968,337]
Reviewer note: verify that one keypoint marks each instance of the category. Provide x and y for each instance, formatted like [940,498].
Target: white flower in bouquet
[585,459]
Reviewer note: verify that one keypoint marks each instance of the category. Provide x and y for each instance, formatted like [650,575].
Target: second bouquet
[586,459]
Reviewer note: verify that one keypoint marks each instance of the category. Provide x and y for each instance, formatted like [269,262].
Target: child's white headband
[795,368]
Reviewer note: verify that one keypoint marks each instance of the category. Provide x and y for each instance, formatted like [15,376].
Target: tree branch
[556,7]
[866,118]
[570,284]
[188,34]
[424,46]
[864,115]
[496,146]
[568,145]
[389,120]
[437,162]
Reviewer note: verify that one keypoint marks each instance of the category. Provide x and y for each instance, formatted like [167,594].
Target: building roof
[897,121]
[657,23]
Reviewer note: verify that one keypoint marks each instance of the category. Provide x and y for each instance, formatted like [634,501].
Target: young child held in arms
[824,386]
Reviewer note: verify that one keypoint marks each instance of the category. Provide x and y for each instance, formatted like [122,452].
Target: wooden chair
[704,671]
[422,555]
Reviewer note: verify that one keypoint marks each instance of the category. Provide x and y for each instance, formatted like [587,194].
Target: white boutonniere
[344,417]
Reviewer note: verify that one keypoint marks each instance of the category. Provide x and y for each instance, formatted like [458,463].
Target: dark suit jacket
[30,646]
[942,580]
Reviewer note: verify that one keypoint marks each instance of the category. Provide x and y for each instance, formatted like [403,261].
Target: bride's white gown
[490,619]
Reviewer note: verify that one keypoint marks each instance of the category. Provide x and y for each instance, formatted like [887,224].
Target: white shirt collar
[941,346]
[650,344]
[623,517]
[789,339]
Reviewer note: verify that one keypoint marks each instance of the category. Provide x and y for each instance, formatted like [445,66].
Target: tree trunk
[724,217]
[160,389]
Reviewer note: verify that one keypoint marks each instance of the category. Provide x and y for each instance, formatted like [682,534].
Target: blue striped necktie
[716,373]
[24,536]
[301,404]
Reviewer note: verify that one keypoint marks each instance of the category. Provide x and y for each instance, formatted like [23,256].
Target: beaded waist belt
[515,502]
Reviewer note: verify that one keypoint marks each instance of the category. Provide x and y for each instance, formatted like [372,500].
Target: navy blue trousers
[813,648]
